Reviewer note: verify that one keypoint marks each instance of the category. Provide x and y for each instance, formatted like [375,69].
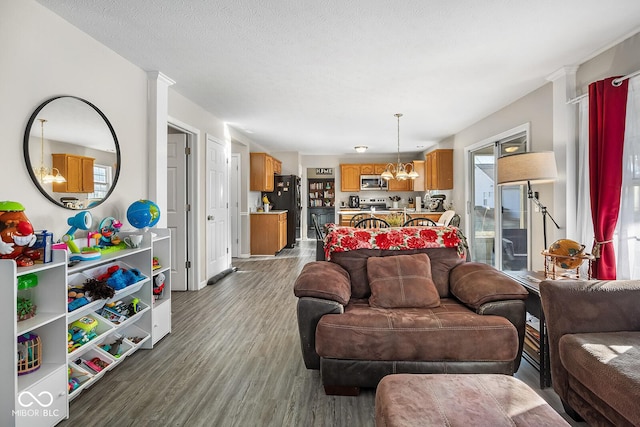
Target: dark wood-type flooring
[232,359]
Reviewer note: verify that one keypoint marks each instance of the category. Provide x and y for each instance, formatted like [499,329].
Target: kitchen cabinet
[439,169]
[367,169]
[277,166]
[77,170]
[379,168]
[262,171]
[350,178]
[418,184]
[268,232]
[396,185]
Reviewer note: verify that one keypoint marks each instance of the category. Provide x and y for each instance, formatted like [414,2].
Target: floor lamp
[527,168]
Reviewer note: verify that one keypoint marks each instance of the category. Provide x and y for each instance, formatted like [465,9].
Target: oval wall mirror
[71,152]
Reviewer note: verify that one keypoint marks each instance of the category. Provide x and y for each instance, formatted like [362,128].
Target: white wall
[44,56]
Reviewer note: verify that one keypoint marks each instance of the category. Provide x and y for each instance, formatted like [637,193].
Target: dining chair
[446,217]
[358,217]
[372,223]
[420,221]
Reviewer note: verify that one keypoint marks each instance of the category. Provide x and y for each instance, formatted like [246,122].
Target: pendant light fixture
[43,173]
[399,171]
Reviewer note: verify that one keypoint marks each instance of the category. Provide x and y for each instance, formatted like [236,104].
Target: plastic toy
[16,234]
[98,289]
[80,221]
[109,228]
[158,284]
[25,306]
[81,332]
[143,214]
[156,263]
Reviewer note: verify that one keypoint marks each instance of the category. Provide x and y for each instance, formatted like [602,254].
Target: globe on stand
[143,214]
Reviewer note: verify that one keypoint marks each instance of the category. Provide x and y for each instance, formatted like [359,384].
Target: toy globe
[143,213]
[563,251]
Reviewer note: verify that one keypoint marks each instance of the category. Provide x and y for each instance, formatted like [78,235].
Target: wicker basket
[29,353]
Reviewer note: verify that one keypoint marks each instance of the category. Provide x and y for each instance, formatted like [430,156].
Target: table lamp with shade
[528,168]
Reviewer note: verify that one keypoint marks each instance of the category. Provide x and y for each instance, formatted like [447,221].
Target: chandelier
[399,171]
[43,173]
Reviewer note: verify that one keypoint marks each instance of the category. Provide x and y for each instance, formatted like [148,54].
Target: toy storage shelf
[52,319]
[49,324]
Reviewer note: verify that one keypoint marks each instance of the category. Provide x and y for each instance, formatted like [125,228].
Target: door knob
[211,217]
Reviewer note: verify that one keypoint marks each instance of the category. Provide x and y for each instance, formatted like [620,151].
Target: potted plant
[26,309]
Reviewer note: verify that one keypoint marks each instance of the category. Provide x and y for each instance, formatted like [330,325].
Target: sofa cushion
[401,281]
[450,332]
[606,363]
[476,283]
[355,263]
[322,279]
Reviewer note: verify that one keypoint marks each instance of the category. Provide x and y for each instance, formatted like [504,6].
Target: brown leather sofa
[477,327]
[594,346]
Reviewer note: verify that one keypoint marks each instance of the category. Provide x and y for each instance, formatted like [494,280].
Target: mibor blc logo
[26,399]
[35,406]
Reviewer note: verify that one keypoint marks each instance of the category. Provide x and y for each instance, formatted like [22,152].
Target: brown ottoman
[463,400]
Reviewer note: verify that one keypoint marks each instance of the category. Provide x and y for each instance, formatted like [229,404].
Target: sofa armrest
[475,284]
[579,306]
[515,312]
[325,280]
[310,310]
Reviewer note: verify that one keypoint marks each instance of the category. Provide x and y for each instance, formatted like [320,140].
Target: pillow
[401,281]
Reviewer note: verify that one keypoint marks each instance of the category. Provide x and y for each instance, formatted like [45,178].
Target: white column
[565,147]
[158,103]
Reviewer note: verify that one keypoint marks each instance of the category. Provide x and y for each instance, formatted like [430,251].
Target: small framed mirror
[71,152]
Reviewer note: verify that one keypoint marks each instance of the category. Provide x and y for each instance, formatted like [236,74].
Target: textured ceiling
[320,77]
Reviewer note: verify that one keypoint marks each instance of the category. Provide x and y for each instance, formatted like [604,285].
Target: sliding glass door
[498,215]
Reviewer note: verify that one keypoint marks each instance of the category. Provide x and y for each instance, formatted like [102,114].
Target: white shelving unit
[41,398]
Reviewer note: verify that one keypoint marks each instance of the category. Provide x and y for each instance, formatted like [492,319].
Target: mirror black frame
[28,163]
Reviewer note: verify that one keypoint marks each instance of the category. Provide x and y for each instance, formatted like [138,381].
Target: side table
[536,353]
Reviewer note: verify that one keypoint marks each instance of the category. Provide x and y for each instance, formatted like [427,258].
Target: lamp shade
[527,167]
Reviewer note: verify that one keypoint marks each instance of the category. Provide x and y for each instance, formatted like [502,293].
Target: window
[101,181]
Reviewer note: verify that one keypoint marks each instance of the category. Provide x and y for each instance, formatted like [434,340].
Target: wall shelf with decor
[322,193]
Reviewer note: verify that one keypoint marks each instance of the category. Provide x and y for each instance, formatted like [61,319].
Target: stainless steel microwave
[373,182]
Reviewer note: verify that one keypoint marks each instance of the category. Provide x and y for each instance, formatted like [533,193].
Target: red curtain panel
[607,110]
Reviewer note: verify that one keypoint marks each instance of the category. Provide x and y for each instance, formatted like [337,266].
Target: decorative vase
[266,207]
[395,205]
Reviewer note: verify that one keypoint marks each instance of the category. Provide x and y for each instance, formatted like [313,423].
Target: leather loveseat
[594,347]
[361,315]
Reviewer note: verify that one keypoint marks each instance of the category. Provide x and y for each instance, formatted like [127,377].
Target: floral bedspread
[342,239]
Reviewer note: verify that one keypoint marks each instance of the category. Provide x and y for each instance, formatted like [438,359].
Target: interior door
[217,230]
[234,204]
[176,208]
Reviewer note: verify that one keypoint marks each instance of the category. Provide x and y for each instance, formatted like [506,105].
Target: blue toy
[143,214]
[80,221]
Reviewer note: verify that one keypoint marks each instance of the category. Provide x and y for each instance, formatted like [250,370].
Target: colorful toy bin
[29,353]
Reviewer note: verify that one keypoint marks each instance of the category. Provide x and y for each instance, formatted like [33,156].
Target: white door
[217,230]
[234,204]
[176,208]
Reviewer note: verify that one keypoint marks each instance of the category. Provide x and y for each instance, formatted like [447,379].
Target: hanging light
[42,172]
[399,171]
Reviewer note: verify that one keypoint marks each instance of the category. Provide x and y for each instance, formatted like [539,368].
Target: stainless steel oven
[372,182]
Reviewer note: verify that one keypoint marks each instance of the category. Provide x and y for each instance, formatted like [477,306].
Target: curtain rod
[616,82]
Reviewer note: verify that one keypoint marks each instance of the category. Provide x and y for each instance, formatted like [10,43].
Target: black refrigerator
[286,196]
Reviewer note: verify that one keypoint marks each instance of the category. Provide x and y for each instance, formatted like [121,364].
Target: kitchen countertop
[385,211]
[268,213]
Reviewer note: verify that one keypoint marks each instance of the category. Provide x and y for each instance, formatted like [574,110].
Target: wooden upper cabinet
[262,170]
[418,184]
[367,169]
[396,185]
[379,168]
[77,170]
[277,166]
[350,178]
[439,169]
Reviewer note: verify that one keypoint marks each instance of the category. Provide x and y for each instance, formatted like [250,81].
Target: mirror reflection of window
[101,181]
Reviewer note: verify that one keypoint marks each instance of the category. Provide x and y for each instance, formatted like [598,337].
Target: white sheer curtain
[627,236]
[584,222]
